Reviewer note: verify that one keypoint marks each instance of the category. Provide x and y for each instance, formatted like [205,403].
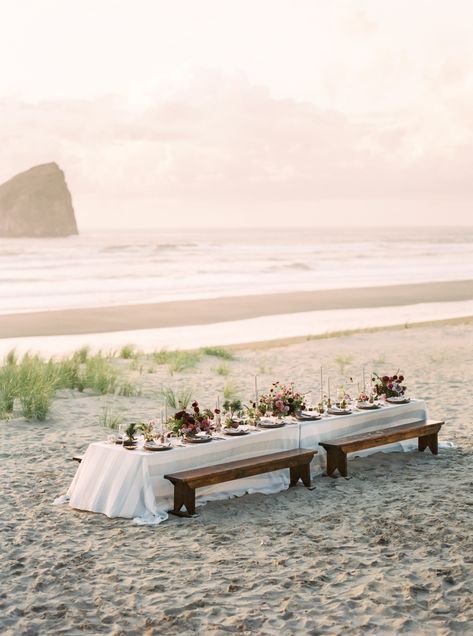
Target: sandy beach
[387,551]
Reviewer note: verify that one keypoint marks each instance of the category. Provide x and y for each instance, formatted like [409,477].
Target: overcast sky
[236,112]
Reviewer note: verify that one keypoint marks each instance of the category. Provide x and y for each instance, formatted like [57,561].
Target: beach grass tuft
[222,369]
[230,391]
[176,400]
[99,375]
[177,361]
[109,419]
[8,389]
[129,352]
[218,352]
[128,389]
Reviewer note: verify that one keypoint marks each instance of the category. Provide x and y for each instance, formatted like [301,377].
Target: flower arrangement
[281,400]
[185,423]
[233,412]
[389,385]
[148,429]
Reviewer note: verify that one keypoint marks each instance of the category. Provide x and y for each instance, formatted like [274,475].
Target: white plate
[398,400]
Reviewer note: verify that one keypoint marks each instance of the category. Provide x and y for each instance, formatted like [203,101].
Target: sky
[243,112]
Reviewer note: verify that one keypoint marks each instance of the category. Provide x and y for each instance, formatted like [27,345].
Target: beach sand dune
[387,551]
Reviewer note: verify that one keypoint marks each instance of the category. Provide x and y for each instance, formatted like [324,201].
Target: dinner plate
[335,411]
[271,424]
[398,400]
[308,417]
[198,439]
[234,431]
[367,406]
[157,447]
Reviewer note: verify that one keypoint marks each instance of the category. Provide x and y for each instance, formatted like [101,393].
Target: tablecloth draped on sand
[131,484]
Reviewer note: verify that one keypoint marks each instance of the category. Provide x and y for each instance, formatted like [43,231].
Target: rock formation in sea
[37,203]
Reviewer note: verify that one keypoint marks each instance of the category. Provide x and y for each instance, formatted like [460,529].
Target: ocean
[122,268]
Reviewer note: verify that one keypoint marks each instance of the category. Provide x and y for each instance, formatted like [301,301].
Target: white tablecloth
[131,484]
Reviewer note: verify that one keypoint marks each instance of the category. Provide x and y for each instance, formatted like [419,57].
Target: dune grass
[218,352]
[109,419]
[128,389]
[222,369]
[129,352]
[230,391]
[32,381]
[176,400]
[177,361]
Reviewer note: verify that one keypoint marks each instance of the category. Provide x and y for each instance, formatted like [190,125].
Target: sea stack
[37,203]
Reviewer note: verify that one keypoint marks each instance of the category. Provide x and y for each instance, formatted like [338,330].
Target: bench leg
[295,475]
[300,472]
[184,496]
[429,440]
[305,475]
[336,459]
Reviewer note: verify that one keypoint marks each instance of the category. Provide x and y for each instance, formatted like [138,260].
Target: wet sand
[199,312]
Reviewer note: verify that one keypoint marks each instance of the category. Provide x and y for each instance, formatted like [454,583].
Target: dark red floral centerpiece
[389,385]
[188,424]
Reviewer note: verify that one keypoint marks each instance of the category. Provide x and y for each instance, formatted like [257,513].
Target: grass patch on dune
[222,369]
[176,400]
[109,419]
[30,384]
[129,352]
[177,361]
[218,352]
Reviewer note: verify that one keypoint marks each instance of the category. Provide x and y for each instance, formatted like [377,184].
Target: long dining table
[121,483]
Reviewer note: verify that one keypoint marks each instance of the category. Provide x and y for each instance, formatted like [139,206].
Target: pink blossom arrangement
[281,400]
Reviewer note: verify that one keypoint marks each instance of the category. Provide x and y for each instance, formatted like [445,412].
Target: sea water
[118,267]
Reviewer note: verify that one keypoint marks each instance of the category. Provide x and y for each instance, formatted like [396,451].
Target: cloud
[222,139]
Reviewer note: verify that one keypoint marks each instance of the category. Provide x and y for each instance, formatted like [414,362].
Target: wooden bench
[185,482]
[337,449]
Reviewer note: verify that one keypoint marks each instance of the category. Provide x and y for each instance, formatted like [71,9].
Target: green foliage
[135,365]
[147,428]
[176,400]
[177,361]
[161,357]
[109,419]
[8,389]
[218,352]
[129,352]
[222,369]
[183,360]
[11,358]
[131,430]
[69,374]
[81,355]
[33,381]
[232,406]
[99,375]
[230,391]
[127,389]
[37,381]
